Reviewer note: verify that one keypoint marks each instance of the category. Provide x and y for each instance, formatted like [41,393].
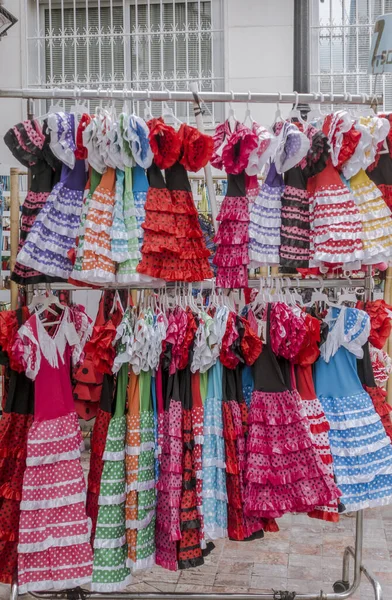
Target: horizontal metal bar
[209,283]
[185,96]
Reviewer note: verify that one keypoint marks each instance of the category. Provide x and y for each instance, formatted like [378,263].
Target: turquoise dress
[214,466]
[361,450]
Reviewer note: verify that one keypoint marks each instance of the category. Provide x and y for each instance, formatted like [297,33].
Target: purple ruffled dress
[54,231]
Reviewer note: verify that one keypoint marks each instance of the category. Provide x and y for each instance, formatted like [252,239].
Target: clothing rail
[188,96]
[210,283]
[343,589]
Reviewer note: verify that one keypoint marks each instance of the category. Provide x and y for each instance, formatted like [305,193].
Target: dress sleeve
[78,332]
[26,351]
[356,331]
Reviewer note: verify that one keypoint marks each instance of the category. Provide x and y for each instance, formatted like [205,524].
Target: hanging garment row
[209,424]
[100,210]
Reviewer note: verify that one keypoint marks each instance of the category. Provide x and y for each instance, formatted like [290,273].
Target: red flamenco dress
[231,153]
[173,247]
[100,353]
[380,328]
[318,422]
[380,172]
[284,472]
[14,426]
[239,343]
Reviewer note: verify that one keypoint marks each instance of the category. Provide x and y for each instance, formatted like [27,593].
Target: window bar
[357,45]
[162,39]
[175,74]
[62,44]
[344,49]
[213,86]
[330,47]
[50,42]
[126,49]
[200,82]
[38,43]
[113,74]
[99,45]
[149,40]
[187,34]
[88,40]
[370,28]
[75,42]
[136,36]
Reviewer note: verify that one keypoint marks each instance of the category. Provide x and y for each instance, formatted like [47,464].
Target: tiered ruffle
[214,462]
[14,430]
[110,572]
[379,398]
[232,239]
[375,217]
[264,226]
[361,451]
[284,472]
[54,535]
[173,247]
[295,229]
[168,530]
[54,232]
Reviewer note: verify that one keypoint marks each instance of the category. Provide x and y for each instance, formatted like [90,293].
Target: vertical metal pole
[207,168]
[301,54]
[14,233]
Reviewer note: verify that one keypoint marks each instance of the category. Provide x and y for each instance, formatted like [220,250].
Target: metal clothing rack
[343,589]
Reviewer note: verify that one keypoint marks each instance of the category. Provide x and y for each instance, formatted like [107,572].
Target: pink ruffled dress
[231,153]
[54,531]
[284,471]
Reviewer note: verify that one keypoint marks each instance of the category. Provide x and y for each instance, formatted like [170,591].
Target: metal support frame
[342,589]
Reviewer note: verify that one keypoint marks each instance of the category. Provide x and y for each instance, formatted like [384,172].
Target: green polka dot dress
[110,573]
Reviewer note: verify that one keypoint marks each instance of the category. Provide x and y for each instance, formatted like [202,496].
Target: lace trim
[111,587]
[41,586]
[33,461]
[111,543]
[53,503]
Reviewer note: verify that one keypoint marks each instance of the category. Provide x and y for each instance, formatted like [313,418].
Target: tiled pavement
[305,556]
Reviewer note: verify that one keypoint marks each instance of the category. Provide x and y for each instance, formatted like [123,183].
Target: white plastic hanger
[248,115]
[278,114]
[81,106]
[295,113]
[315,114]
[231,117]
[55,107]
[319,296]
[49,301]
[147,108]
[168,112]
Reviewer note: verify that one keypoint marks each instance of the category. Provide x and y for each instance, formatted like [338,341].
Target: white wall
[11,75]
[259,50]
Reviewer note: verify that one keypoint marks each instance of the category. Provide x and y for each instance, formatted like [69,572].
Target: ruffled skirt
[361,450]
[54,535]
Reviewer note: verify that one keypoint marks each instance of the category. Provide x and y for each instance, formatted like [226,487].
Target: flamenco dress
[295,229]
[97,263]
[54,551]
[377,394]
[14,426]
[361,450]
[55,228]
[145,481]
[380,170]
[139,189]
[232,254]
[76,254]
[319,425]
[132,451]
[30,146]
[284,472]
[128,263]
[169,485]
[213,459]
[265,221]
[336,225]
[110,571]
[375,217]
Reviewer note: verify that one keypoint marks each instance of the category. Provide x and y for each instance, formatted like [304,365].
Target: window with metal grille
[341,32]
[132,44]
